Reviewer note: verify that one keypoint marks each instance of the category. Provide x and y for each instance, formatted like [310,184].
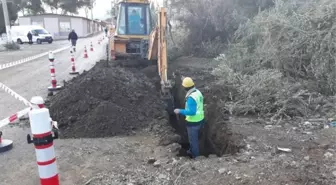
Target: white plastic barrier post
[5,144]
[54,86]
[44,148]
[37,102]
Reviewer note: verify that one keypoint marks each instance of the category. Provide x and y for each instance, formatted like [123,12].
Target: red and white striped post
[5,144]
[85,53]
[73,66]
[54,86]
[43,140]
[91,47]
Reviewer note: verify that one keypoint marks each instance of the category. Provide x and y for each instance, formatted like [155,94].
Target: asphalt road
[27,50]
[33,78]
[18,166]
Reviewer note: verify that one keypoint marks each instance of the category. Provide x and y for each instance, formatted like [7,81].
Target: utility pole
[92,25]
[7,22]
[113,11]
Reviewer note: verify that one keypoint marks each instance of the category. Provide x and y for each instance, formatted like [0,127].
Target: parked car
[40,35]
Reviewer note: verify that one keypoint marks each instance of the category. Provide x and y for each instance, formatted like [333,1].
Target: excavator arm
[158,49]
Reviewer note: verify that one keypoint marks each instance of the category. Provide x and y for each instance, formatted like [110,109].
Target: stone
[157,164]
[252,138]
[151,160]
[222,170]
[328,155]
[331,150]
[307,124]
[306,158]
[175,147]
[163,176]
[294,164]
[175,138]
[284,149]
[174,161]
[334,173]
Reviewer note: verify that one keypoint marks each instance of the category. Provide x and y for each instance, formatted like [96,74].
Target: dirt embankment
[122,97]
[106,101]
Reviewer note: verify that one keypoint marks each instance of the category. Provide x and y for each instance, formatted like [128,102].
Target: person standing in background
[73,37]
[30,37]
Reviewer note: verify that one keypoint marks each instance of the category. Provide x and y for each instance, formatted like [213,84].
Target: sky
[101,8]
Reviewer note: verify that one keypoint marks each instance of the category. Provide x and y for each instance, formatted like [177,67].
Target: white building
[60,25]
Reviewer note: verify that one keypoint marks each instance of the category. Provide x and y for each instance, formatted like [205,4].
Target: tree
[21,5]
[35,7]
[72,6]
[12,11]
[53,4]
[211,24]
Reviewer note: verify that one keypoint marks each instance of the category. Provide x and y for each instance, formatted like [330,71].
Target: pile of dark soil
[106,101]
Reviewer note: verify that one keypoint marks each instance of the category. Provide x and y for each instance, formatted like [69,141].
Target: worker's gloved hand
[177,111]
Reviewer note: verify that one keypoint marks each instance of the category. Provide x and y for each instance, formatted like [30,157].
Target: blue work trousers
[193,132]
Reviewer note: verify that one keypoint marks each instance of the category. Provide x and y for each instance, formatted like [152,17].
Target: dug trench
[216,136]
[122,98]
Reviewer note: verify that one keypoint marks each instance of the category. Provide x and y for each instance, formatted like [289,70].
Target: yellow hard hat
[187,82]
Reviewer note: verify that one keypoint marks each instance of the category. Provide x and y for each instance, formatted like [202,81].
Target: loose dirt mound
[106,101]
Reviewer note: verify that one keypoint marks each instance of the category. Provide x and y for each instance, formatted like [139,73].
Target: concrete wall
[24,21]
[49,24]
[60,26]
[77,24]
[85,27]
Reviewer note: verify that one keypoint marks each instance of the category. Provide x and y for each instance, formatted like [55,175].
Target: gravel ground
[147,157]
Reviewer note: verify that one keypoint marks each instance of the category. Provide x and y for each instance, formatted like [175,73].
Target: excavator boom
[157,45]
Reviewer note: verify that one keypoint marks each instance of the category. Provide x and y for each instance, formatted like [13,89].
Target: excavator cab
[133,27]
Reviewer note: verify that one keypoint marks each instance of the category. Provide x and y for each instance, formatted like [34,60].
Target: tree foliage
[282,61]
[72,6]
[12,11]
[53,4]
[34,7]
[212,23]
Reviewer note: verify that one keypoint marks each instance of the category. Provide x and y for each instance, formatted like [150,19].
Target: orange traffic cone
[85,53]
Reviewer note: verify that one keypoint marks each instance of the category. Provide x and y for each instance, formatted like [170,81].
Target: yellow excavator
[135,36]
